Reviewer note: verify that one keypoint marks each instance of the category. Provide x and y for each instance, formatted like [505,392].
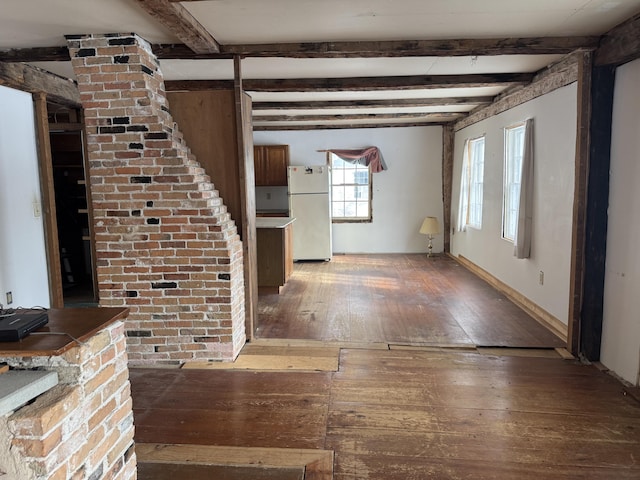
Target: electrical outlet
[9,298]
[268,195]
[541,277]
[37,211]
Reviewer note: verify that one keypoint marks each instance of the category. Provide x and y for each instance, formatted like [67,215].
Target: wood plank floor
[405,299]
[408,414]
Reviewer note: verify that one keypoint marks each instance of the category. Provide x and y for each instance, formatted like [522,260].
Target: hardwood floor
[408,414]
[398,407]
[403,299]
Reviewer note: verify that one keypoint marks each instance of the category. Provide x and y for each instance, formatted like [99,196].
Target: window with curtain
[471,184]
[513,153]
[350,191]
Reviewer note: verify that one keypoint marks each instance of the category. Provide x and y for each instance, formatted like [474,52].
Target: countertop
[273,222]
[65,327]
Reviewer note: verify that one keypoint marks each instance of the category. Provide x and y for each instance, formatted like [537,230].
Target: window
[350,191]
[471,185]
[513,153]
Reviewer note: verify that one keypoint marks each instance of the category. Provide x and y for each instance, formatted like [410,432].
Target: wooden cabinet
[271,162]
[275,253]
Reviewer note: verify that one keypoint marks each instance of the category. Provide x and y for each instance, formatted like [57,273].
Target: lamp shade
[430,226]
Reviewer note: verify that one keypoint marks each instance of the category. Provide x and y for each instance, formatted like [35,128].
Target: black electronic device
[18,325]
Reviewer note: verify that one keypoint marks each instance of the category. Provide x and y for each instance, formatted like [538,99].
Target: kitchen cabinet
[270,163]
[274,240]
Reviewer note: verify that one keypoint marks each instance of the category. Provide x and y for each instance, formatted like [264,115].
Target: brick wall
[83,427]
[166,246]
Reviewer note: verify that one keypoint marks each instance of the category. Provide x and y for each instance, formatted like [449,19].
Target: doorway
[72,215]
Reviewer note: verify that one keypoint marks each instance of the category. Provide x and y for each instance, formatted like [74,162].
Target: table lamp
[430,227]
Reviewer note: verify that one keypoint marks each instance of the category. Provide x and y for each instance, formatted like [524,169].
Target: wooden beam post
[48,201]
[448,137]
[576,279]
[595,249]
[244,134]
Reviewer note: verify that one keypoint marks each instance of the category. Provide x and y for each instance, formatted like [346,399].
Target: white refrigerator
[310,204]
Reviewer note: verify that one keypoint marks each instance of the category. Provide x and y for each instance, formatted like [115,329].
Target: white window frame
[513,154]
[357,195]
[472,184]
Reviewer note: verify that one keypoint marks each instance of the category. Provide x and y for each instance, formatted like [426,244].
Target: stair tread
[179,471]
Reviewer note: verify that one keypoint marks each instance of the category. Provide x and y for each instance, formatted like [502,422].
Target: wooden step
[271,463]
[185,471]
[278,358]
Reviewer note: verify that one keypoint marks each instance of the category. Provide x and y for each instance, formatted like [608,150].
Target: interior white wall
[402,195]
[554,117]
[23,263]
[621,328]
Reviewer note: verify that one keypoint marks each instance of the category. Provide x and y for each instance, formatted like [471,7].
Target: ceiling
[346,63]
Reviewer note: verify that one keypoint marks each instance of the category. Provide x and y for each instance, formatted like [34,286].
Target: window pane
[363,209]
[362,193]
[350,190]
[476,176]
[513,150]
[350,209]
[337,176]
[350,193]
[338,210]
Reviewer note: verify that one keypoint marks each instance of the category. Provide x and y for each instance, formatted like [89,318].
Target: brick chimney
[165,245]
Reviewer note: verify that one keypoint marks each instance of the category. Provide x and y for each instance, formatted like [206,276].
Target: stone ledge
[19,387]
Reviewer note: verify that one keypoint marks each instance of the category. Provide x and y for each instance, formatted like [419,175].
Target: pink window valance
[369,156]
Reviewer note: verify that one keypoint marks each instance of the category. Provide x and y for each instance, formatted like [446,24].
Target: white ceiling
[44,23]
[262,21]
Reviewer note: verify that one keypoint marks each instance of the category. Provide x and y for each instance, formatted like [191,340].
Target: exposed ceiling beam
[359,83]
[182,24]
[34,80]
[441,116]
[621,44]
[398,102]
[38,54]
[417,48]
[408,48]
[338,126]
[399,48]
[560,74]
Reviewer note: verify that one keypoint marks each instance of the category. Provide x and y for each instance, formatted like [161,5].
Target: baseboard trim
[318,464]
[538,313]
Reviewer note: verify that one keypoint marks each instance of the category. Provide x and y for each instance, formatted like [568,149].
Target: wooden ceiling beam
[621,44]
[340,126]
[198,85]
[37,54]
[391,103]
[417,48]
[182,24]
[441,116]
[400,48]
[34,80]
[414,82]
[411,82]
